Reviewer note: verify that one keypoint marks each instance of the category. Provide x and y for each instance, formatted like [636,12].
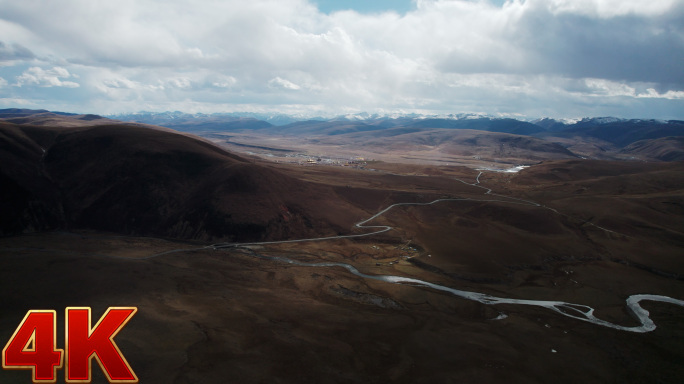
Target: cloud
[651,93]
[443,56]
[606,88]
[610,8]
[223,81]
[277,82]
[15,101]
[14,52]
[119,83]
[179,83]
[46,78]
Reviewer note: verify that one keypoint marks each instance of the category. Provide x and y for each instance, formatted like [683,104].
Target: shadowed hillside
[663,149]
[148,182]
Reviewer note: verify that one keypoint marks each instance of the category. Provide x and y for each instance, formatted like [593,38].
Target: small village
[308,160]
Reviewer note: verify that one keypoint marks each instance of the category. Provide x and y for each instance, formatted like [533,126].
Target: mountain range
[467,139]
[600,138]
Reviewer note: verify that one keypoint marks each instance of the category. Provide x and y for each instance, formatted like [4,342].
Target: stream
[575,311]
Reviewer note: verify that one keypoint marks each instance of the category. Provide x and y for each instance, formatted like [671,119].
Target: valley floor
[585,233]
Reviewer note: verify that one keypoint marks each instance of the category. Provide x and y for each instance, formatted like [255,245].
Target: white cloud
[653,94]
[46,78]
[179,82]
[278,82]
[605,88]
[3,82]
[16,101]
[444,56]
[120,83]
[602,87]
[223,82]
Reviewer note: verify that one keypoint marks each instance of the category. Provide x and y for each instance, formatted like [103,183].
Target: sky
[526,58]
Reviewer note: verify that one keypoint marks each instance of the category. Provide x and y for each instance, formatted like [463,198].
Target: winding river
[575,311]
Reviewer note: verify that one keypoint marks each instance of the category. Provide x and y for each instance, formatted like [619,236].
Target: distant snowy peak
[144,115]
[284,119]
[161,117]
[613,120]
[278,119]
[602,120]
[549,121]
[364,116]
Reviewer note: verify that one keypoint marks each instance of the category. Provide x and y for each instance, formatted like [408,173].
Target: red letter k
[84,343]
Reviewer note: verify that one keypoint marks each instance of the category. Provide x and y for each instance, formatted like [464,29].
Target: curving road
[385,228]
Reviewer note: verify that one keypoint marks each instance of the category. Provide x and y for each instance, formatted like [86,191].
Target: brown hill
[43,118]
[623,132]
[581,170]
[663,149]
[461,143]
[639,199]
[52,119]
[141,181]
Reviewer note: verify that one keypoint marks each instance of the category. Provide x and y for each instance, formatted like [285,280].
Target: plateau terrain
[375,250]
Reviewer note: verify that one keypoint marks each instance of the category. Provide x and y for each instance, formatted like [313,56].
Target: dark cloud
[628,48]
[9,52]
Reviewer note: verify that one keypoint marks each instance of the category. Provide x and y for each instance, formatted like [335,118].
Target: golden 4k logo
[33,345]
